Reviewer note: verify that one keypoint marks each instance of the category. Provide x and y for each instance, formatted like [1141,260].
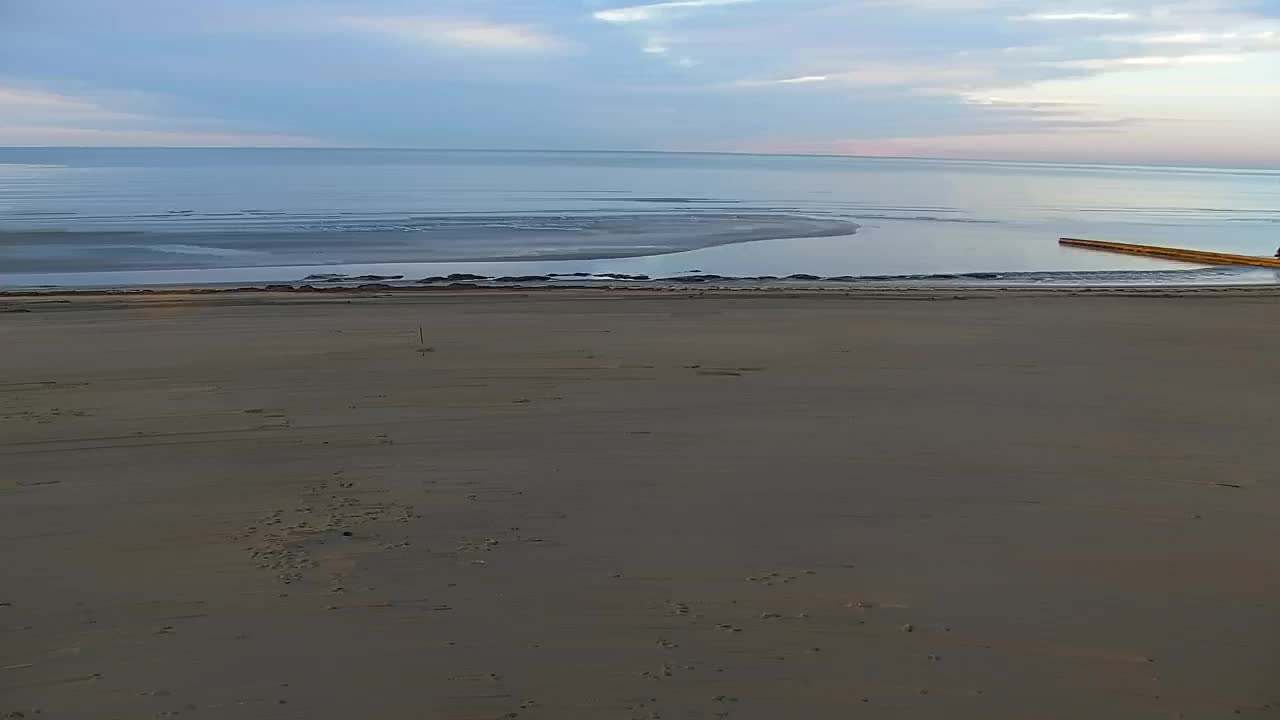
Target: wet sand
[570,504]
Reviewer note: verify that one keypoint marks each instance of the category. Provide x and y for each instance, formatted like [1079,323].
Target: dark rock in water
[577,274]
[339,278]
[287,288]
[802,276]
[522,278]
[374,286]
[694,278]
[432,279]
[307,288]
[762,278]
[466,276]
[983,276]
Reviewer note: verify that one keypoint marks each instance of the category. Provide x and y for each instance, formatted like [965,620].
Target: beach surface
[651,504]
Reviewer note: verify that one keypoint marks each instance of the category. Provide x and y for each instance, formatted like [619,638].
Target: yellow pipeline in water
[1199,257]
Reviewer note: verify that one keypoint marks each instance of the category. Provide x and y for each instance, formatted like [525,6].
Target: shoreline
[710,289]
[1143,272]
[877,256]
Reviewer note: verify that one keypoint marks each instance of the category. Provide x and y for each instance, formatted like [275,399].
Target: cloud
[799,80]
[647,16]
[1245,41]
[939,5]
[19,104]
[37,135]
[1175,39]
[1130,63]
[20,100]
[1056,114]
[464,34]
[802,79]
[940,78]
[1044,106]
[635,73]
[40,117]
[1080,16]
[646,13]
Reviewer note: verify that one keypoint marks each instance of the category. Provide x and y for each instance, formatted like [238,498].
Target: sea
[127,217]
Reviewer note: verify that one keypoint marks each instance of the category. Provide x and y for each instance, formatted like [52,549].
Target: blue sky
[1183,82]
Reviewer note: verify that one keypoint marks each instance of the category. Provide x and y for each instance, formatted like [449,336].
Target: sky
[1187,82]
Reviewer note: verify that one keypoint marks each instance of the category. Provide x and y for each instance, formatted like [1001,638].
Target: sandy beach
[651,504]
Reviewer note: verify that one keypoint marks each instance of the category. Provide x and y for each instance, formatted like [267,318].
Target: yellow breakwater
[1200,257]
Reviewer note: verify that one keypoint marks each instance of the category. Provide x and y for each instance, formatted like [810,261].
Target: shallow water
[127,216]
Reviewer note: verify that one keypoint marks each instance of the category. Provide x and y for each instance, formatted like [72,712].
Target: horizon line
[1111,164]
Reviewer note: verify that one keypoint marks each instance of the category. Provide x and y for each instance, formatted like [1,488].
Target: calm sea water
[95,217]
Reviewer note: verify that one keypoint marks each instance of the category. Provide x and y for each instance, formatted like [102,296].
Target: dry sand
[640,505]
